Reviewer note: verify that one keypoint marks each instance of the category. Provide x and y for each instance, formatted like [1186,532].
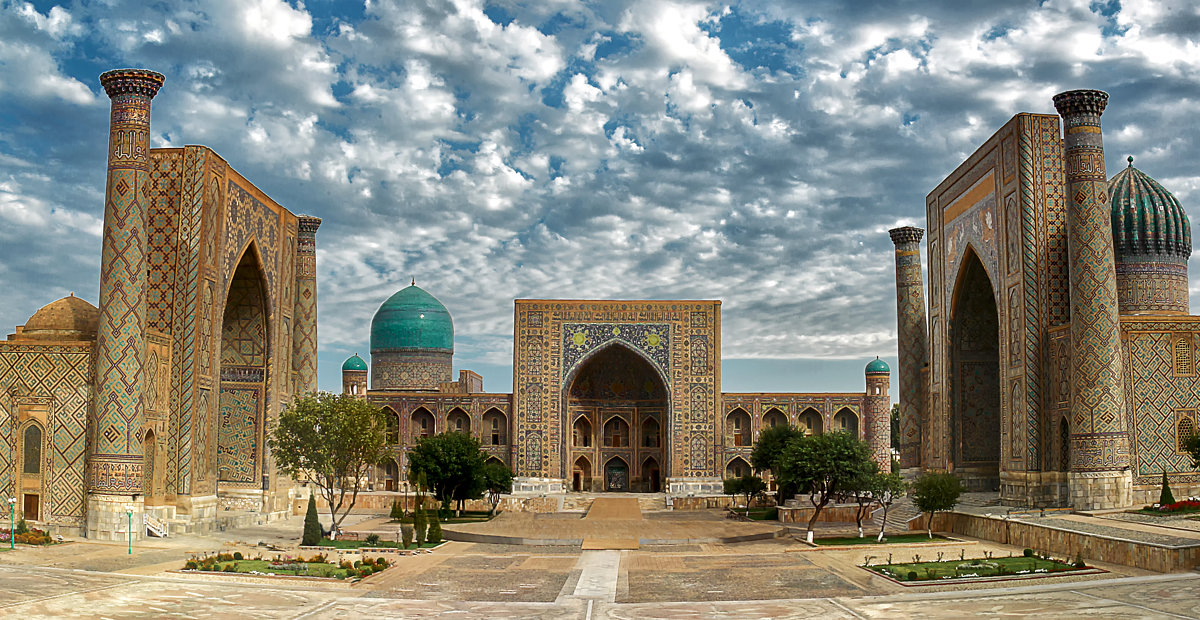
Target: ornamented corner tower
[1099,438]
[1153,242]
[115,501]
[913,334]
[354,377]
[304,336]
[877,413]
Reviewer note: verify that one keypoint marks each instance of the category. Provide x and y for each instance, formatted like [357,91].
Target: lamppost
[129,512]
[12,527]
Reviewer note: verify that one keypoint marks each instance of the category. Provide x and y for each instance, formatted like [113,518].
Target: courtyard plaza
[775,576]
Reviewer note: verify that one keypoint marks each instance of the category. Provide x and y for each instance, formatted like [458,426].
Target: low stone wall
[702,502]
[1066,543]
[834,513]
[380,502]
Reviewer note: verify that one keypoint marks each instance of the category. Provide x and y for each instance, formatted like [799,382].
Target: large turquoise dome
[1147,220]
[412,320]
[878,367]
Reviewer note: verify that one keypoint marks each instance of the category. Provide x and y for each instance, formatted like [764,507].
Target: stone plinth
[682,487]
[108,517]
[1100,490]
[535,486]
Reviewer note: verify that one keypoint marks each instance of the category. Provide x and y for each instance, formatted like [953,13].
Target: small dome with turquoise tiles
[354,363]
[1146,218]
[412,320]
[878,367]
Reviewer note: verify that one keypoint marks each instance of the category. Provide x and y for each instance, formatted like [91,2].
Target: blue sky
[752,152]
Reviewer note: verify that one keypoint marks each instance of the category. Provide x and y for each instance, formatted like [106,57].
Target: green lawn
[770,513]
[306,569]
[890,539]
[355,544]
[975,567]
[468,516]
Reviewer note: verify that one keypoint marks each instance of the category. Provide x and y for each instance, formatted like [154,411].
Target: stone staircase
[155,527]
[581,502]
[899,514]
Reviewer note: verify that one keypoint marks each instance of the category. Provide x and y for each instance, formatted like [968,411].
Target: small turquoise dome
[1146,218]
[878,367]
[412,319]
[354,363]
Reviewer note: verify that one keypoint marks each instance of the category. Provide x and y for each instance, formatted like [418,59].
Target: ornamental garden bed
[1187,506]
[31,536]
[896,539]
[962,569]
[468,516]
[317,566]
[376,544]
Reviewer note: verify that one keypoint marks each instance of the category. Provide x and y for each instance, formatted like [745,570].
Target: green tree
[397,512]
[895,426]
[420,526]
[1165,497]
[329,440]
[435,531]
[749,487]
[406,535]
[934,492]
[770,444]
[1191,445]
[452,464]
[822,465]
[888,488]
[312,526]
[862,487]
[497,480]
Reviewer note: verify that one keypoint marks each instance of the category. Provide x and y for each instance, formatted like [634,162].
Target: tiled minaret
[115,460]
[304,352]
[1099,437]
[877,413]
[913,335]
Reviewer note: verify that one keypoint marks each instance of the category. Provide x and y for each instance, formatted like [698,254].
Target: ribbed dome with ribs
[1146,218]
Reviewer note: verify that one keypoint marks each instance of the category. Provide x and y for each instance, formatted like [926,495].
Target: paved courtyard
[778,578]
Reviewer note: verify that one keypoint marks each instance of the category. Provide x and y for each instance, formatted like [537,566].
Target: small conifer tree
[1166,497]
[312,527]
[419,525]
[435,530]
[406,535]
[397,511]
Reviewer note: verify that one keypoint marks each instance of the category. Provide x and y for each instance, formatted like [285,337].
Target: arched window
[1184,356]
[650,438]
[33,450]
[616,433]
[737,428]
[774,417]
[495,428]
[847,421]
[422,423]
[810,422]
[1183,431]
[583,433]
[737,468]
[392,425]
[458,421]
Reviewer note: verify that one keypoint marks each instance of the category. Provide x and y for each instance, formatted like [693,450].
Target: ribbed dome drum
[412,342]
[1152,239]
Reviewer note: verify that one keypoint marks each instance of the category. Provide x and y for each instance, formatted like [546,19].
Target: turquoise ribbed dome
[412,319]
[354,363]
[1146,218]
[878,367]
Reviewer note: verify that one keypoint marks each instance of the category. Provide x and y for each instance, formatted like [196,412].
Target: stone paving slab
[625,508]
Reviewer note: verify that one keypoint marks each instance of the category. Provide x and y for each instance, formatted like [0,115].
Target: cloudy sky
[751,152]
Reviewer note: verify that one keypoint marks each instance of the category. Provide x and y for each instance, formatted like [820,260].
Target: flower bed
[1186,506]
[33,536]
[894,539]
[285,566]
[974,568]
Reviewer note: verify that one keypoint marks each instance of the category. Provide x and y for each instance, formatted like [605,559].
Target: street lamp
[12,528]
[129,512]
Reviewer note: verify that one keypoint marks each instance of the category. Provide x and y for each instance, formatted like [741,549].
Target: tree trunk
[883,524]
[929,525]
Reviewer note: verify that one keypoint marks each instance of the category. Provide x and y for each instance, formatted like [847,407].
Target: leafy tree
[933,493]
[420,526]
[822,466]
[749,487]
[862,488]
[452,464]
[895,426]
[435,531]
[1191,445]
[312,526]
[330,440]
[768,448]
[1165,497]
[497,480]
[888,488]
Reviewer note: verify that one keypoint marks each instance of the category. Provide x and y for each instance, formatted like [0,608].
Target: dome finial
[414,281]
[1130,160]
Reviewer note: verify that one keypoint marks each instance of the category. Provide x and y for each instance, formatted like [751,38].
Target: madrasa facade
[1057,361]
[152,408]
[607,396]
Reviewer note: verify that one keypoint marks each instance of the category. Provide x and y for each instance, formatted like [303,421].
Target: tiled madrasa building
[153,407]
[607,396]
[1057,363]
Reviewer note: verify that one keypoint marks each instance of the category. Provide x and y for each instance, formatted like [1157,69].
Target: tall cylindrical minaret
[913,334]
[115,453]
[1099,444]
[304,336]
[877,413]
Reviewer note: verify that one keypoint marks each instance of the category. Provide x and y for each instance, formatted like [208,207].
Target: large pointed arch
[974,339]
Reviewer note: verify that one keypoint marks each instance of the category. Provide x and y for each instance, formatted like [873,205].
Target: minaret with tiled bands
[913,335]
[1099,435]
[115,460]
[304,336]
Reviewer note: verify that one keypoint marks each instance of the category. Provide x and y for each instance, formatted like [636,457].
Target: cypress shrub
[397,511]
[419,525]
[312,527]
[1166,497]
[435,531]
[406,535]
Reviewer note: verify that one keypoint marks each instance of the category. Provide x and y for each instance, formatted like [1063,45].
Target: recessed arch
[616,474]
[737,428]
[846,420]
[811,421]
[582,432]
[975,419]
[650,433]
[32,448]
[581,474]
[616,432]
[245,358]
[651,476]
[458,421]
[495,427]
[422,424]
[571,375]
[774,417]
[737,467]
[391,426]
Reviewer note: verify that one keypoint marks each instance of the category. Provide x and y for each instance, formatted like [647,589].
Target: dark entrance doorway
[616,475]
[975,379]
